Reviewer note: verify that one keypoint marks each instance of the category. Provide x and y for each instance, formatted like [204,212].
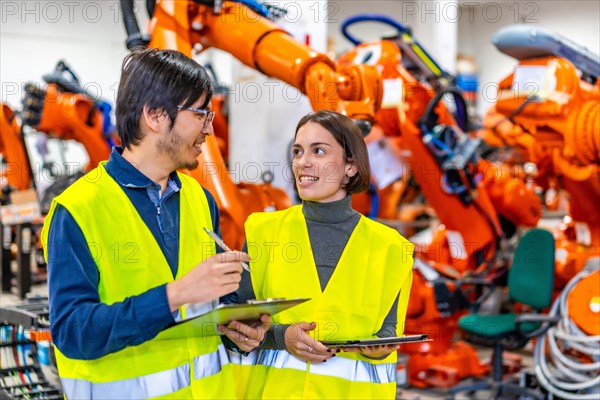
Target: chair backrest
[531,276]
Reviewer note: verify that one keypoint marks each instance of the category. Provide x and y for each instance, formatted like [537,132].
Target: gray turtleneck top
[329,228]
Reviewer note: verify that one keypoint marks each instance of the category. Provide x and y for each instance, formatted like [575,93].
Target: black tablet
[375,341]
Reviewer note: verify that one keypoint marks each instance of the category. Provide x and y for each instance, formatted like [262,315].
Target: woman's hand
[374,351]
[304,347]
[247,337]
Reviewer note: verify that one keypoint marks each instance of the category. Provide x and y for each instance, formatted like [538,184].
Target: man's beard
[171,145]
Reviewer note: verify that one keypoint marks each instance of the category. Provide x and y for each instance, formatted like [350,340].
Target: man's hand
[247,337]
[304,347]
[374,351]
[212,278]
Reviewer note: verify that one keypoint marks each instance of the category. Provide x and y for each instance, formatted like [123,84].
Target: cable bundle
[21,376]
[570,368]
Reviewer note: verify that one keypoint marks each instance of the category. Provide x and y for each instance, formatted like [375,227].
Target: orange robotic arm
[67,116]
[561,116]
[16,171]
[548,109]
[463,249]
[355,90]
[556,124]
[509,194]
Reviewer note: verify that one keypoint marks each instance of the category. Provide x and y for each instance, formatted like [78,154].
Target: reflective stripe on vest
[210,364]
[147,386]
[339,367]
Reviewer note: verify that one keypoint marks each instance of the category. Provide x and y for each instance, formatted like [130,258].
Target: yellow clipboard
[206,324]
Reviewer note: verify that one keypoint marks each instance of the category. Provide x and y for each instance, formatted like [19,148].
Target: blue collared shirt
[84,328]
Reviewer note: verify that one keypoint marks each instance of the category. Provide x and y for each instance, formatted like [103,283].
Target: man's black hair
[158,80]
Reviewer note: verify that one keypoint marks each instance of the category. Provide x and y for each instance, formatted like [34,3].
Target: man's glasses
[208,115]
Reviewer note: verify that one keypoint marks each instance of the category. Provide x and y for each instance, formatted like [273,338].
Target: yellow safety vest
[375,266]
[130,262]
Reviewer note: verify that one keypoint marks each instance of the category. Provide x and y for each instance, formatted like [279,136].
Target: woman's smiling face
[319,165]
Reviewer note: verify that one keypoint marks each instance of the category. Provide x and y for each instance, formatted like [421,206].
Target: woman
[356,271]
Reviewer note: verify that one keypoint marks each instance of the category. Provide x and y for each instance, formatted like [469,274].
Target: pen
[223,246]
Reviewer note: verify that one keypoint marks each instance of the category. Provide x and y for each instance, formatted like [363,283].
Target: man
[126,249]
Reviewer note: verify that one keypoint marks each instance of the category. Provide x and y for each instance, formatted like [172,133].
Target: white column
[436,28]
[446,35]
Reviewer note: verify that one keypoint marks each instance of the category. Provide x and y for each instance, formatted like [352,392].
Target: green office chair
[530,281]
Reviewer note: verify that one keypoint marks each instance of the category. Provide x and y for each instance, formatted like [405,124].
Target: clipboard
[206,324]
[340,344]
